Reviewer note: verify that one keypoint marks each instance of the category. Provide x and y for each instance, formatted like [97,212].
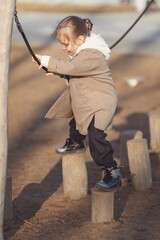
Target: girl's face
[69,44]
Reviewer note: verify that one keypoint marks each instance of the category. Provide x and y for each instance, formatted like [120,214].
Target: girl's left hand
[39,58]
[40,66]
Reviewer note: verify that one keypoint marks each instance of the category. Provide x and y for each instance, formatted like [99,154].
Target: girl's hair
[77,25]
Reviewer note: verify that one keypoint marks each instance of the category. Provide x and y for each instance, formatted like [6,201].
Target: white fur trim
[45,60]
[96,42]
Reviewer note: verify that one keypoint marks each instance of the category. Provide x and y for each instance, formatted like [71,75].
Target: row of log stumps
[134,155]
[75,187]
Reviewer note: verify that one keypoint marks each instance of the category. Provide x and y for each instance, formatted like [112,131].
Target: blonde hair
[77,25]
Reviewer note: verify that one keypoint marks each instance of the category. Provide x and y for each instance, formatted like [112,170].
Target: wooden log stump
[139,163]
[154,122]
[75,179]
[8,215]
[124,137]
[102,206]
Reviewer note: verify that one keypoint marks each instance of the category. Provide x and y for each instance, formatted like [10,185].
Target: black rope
[26,41]
[120,39]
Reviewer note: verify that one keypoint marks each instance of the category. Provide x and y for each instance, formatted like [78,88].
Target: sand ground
[40,210]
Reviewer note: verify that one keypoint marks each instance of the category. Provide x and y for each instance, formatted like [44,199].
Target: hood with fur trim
[95,41]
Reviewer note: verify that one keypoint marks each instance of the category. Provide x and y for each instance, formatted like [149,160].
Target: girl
[90,98]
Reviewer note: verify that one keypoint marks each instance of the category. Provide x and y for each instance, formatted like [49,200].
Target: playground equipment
[6,15]
[137,148]
[139,164]
[8,215]
[154,122]
[75,180]
[124,137]
[102,206]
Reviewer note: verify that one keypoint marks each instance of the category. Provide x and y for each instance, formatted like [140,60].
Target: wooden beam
[8,213]
[6,22]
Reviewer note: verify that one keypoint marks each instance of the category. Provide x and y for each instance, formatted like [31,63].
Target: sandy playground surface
[40,210]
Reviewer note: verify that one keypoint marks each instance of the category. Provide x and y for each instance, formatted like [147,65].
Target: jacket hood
[95,41]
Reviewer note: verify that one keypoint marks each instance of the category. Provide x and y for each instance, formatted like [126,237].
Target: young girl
[90,98]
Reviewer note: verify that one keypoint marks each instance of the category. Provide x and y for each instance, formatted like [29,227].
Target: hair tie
[89,23]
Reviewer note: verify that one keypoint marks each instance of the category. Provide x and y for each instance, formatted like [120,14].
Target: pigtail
[90,25]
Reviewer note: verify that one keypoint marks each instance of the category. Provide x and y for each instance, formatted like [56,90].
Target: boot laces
[68,142]
[107,175]
[115,173]
[110,173]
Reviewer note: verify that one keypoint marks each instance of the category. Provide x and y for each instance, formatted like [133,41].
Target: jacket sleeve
[84,64]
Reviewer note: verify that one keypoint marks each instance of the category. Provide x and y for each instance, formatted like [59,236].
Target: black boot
[71,147]
[111,180]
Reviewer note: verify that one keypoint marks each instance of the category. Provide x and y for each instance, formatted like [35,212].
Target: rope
[26,41]
[18,24]
[120,39]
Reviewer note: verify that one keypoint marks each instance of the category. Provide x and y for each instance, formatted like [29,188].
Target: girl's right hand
[38,57]
[49,74]
[40,66]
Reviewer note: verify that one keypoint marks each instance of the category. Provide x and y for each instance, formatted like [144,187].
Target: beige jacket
[91,90]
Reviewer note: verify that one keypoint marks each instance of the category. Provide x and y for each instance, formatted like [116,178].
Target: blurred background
[138,4]
[111,18]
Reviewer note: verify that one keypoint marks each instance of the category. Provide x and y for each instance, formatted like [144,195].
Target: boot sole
[109,189]
[73,151]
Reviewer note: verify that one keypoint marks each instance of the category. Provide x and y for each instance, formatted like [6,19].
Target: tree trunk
[6,21]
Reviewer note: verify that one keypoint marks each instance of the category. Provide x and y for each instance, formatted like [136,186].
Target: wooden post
[154,122]
[102,206]
[6,21]
[75,180]
[139,163]
[124,137]
[8,201]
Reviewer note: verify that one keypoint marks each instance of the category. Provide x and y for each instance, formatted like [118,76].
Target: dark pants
[100,149]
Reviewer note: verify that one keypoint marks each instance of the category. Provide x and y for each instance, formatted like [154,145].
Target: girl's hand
[39,59]
[49,74]
[40,66]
